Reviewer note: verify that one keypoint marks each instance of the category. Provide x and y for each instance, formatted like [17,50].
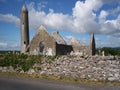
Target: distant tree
[110,51]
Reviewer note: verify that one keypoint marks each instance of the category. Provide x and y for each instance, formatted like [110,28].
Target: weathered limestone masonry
[44,43]
[92,45]
[58,38]
[90,68]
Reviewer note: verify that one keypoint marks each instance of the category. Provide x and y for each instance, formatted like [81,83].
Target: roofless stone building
[44,43]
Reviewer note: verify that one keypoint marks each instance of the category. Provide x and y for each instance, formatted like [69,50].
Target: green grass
[23,61]
[24,64]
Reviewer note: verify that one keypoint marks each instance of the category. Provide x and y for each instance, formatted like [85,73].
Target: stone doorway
[41,46]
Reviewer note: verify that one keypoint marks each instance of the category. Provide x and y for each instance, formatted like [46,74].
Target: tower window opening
[24,42]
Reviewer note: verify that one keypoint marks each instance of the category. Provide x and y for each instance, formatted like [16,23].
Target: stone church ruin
[47,44]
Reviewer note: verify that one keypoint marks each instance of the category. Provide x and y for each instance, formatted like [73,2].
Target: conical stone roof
[24,8]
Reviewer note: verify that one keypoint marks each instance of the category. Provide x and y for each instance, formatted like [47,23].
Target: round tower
[24,25]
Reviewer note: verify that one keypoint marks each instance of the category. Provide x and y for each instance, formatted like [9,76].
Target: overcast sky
[72,18]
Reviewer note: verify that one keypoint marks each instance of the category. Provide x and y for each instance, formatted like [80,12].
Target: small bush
[26,64]
[17,61]
[24,61]
[23,56]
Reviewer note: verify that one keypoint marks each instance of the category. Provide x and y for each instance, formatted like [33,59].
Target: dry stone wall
[91,68]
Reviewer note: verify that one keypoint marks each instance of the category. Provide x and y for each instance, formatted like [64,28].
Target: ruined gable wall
[77,48]
[58,38]
[91,50]
[43,36]
[81,50]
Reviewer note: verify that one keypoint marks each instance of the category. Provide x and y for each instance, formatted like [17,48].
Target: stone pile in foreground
[90,68]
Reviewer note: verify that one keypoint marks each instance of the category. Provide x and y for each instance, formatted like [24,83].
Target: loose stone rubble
[91,68]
